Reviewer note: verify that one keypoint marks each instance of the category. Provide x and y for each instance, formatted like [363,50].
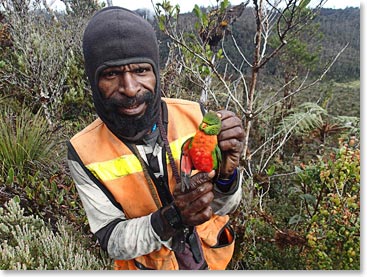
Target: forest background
[289,71]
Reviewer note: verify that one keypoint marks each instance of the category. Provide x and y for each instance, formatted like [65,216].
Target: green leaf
[177,8]
[161,25]
[10,177]
[295,219]
[223,5]
[220,54]
[303,4]
[197,11]
[298,170]
[310,199]
[270,171]
[205,20]
[60,198]
[29,192]
[16,199]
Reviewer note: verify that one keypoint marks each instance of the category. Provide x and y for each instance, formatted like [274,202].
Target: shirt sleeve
[227,202]
[122,238]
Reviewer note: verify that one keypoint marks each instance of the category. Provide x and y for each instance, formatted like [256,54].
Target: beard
[128,126]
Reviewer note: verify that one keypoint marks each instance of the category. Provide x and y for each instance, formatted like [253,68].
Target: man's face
[128,94]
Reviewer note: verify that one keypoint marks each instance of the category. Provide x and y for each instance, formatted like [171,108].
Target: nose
[128,85]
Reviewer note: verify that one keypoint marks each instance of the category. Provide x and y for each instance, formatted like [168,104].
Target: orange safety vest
[117,168]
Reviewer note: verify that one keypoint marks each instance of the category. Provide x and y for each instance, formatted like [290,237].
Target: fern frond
[347,121]
[303,119]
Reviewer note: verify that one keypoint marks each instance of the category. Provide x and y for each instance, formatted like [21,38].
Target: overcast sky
[188,5]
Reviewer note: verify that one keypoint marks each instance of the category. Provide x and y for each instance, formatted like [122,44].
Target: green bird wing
[217,157]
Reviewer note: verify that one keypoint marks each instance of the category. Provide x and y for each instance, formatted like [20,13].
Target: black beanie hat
[113,37]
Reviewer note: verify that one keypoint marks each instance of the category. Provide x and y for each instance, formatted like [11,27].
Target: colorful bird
[201,152]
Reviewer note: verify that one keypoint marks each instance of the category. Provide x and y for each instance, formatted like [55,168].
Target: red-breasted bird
[201,152]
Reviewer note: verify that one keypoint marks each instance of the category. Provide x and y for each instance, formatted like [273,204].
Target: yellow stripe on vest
[176,146]
[128,164]
[116,168]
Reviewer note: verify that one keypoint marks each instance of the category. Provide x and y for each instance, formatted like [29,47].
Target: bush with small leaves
[333,217]
[28,243]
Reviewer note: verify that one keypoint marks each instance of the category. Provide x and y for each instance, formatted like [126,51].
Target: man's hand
[231,142]
[194,204]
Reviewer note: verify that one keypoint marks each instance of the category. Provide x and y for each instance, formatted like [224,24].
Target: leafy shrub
[27,242]
[332,211]
[311,221]
[43,65]
[48,197]
[31,167]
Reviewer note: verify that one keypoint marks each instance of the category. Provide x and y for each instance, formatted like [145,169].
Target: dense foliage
[20,245]
[301,167]
[313,223]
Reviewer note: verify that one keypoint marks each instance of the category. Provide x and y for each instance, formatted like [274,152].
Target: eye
[142,69]
[110,74]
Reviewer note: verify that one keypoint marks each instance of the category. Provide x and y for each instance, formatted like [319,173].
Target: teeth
[133,107]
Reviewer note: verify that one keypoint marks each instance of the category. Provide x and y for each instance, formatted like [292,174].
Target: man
[125,164]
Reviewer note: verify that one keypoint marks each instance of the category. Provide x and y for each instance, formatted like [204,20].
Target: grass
[356,84]
[25,139]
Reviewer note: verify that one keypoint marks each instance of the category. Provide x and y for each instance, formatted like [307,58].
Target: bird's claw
[185,182]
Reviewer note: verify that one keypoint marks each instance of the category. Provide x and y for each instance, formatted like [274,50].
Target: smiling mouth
[134,110]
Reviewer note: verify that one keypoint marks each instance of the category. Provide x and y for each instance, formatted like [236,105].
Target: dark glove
[231,143]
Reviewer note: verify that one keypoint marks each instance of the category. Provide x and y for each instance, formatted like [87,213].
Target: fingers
[233,145]
[201,178]
[230,141]
[223,114]
[229,119]
[198,218]
[232,127]
[232,134]
[195,205]
[194,198]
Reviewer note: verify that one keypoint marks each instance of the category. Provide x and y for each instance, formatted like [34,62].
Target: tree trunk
[254,75]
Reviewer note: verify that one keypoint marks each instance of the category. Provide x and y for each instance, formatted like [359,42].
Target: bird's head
[211,123]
